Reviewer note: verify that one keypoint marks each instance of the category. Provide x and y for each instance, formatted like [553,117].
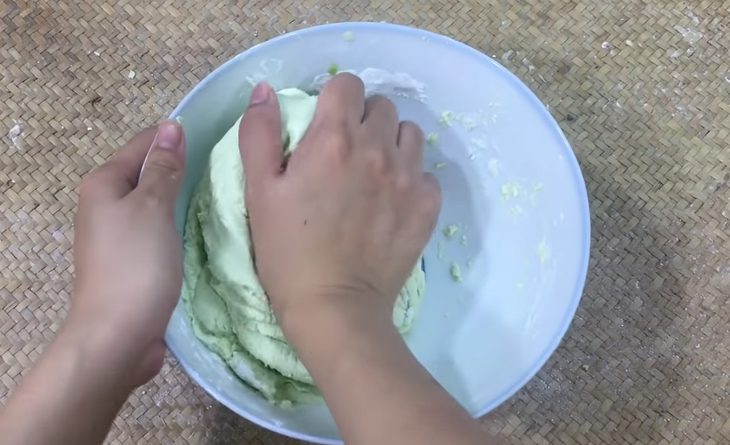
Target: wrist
[333,331]
[109,353]
[70,396]
[338,313]
[90,348]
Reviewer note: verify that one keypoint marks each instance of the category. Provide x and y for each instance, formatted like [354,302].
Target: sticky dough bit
[447,118]
[450,230]
[432,139]
[511,190]
[455,272]
[543,252]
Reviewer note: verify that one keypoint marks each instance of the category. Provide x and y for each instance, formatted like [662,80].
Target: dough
[227,306]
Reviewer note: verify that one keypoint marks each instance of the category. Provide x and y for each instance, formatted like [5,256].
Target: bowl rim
[570,157]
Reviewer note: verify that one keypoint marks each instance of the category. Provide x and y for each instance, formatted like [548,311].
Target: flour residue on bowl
[379,81]
[268,69]
[519,197]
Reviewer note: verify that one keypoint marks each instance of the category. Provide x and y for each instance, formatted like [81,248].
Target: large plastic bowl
[510,182]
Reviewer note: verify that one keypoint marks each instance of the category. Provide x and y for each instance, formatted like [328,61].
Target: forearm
[375,388]
[67,398]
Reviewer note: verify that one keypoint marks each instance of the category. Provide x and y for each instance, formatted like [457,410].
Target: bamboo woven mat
[641,89]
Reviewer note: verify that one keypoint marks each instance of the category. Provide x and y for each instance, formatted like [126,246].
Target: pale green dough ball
[229,310]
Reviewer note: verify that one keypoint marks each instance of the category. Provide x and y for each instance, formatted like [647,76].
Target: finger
[259,137]
[342,101]
[118,176]
[381,118]
[165,165]
[410,144]
[432,198]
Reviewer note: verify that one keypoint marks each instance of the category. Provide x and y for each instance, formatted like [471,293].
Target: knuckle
[337,143]
[163,162]
[403,181]
[348,79]
[382,103]
[152,200]
[89,183]
[414,129]
[254,194]
[376,162]
[430,199]
[339,136]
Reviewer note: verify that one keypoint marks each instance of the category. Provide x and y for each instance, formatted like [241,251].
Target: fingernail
[168,136]
[261,94]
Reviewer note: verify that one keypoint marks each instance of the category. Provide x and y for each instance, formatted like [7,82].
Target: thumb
[162,172]
[259,137]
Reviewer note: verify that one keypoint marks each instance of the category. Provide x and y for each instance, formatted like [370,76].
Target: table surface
[641,89]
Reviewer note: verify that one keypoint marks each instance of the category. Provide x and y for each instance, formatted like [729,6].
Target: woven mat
[641,89]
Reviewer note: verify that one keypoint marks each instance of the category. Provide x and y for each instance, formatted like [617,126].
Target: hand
[347,218]
[128,255]
[336,230]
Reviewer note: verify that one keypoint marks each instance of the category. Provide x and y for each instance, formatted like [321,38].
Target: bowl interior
[511,187]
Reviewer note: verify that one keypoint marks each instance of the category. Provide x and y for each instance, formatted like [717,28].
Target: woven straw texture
[641,89]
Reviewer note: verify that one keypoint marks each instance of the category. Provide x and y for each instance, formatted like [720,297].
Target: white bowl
[510,182]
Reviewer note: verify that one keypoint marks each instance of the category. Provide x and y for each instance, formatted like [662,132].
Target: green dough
[227,306]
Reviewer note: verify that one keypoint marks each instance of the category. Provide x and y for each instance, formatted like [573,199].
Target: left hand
[128,255]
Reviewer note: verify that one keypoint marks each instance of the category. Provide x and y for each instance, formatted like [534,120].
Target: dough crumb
[432,138]
[450,230]
[511,190]
[447,118]
[536,190]
[348,36]
[469,123]
[516,211]
[543,252]
[494,166]
[455,272]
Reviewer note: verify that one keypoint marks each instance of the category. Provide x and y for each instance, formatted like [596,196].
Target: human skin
[336,231]
[128,263]
[346,219]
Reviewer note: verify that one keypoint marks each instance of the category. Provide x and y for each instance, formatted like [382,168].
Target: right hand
[345,220]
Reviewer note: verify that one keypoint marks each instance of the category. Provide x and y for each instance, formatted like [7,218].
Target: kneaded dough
[227,306]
